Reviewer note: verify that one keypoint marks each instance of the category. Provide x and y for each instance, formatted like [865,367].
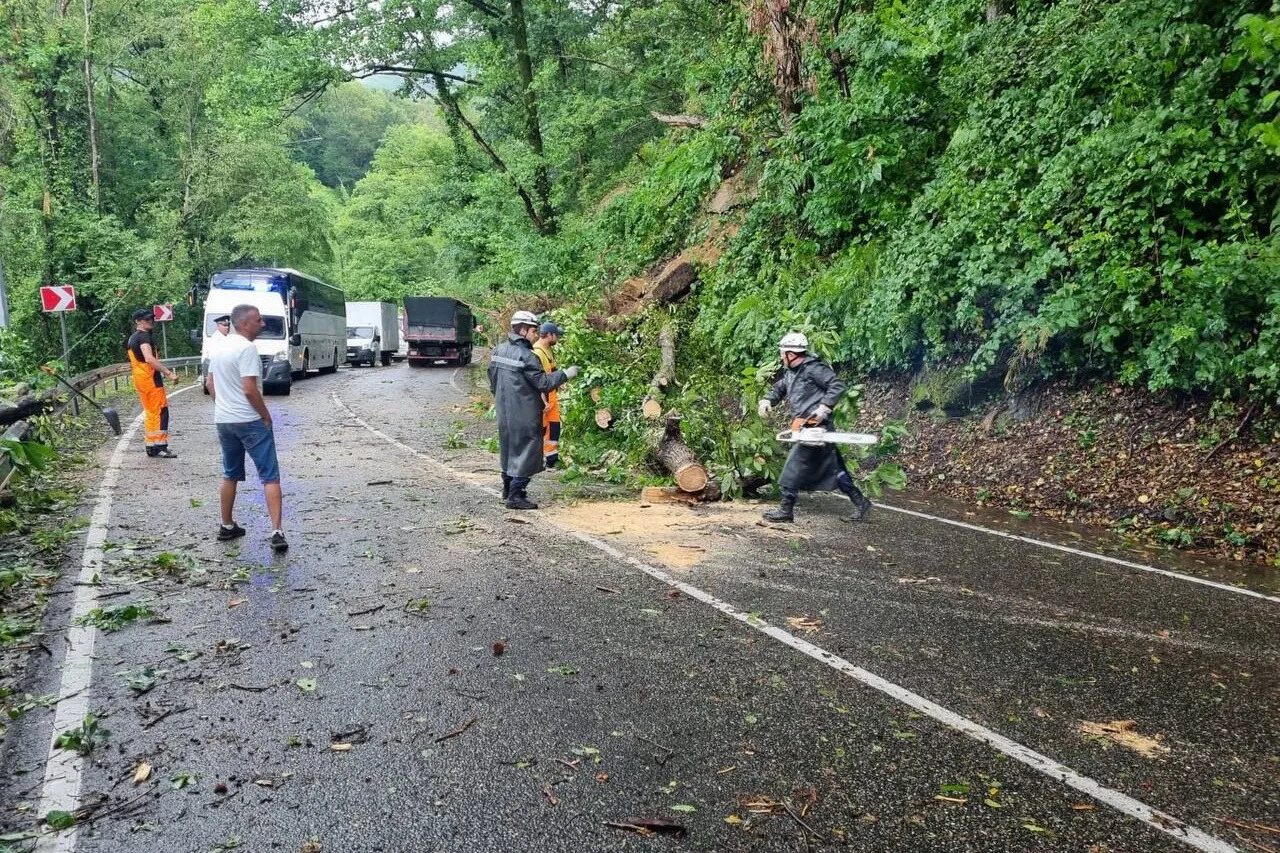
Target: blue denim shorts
[258,441]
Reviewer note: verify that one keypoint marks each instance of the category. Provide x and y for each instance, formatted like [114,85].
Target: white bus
[306,321]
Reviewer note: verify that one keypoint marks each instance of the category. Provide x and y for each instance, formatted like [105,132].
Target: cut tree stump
[604,418]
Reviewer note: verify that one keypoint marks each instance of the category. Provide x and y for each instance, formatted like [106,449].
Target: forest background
[1007,194]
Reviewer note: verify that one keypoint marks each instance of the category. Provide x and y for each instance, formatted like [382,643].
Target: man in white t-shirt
[244,424]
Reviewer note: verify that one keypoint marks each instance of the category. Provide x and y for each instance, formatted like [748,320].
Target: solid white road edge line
[64,768]
[1067,549]
[1117,800]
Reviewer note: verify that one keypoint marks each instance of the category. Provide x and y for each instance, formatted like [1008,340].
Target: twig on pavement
[468,724]
[799,820]
[149,723]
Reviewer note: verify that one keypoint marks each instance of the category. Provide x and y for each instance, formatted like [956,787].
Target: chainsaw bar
[818,435]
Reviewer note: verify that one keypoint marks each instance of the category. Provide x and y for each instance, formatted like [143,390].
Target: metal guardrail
[52,399]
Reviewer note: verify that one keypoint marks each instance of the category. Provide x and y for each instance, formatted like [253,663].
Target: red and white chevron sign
[163,313]
[58,297]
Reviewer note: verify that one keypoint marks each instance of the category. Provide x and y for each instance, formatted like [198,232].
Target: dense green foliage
[1028,189]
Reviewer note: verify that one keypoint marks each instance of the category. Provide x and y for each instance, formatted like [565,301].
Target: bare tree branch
[405,69]
[451,106]
[310,96]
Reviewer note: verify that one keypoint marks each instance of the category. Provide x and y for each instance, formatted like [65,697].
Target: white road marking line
[1078,552]
[1117,800]
[64,769]
[453,380]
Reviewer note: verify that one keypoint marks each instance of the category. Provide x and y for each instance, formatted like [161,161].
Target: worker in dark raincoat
[518,382]
[812,389]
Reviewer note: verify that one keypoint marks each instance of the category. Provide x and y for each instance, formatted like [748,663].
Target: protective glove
[763,408]
[572,370]
[821,413]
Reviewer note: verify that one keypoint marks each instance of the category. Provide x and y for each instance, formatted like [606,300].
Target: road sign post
[163,314]
[66,358]
[59,299]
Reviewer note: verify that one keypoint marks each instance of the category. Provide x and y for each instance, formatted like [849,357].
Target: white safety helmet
[524,318]
[793,342]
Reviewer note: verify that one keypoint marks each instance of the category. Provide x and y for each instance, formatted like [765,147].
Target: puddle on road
[675,535]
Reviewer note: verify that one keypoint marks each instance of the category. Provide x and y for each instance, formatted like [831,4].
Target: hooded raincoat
[518,382]
[806,386]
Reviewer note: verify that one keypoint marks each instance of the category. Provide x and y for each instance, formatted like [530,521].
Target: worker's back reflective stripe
[503,361]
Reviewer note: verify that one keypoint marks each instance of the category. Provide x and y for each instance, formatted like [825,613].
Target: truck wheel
[386,359]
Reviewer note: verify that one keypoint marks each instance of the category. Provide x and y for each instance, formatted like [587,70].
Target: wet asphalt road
[615,697]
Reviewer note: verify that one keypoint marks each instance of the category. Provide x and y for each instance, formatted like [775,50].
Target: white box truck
[373,332]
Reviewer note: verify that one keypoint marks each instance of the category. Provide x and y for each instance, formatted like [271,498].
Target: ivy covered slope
[1085,188]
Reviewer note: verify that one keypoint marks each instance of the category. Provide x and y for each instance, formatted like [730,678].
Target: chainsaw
[805,431]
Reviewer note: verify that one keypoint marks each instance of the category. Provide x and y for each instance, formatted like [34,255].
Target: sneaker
[520,501]
[278,543]
[226,534]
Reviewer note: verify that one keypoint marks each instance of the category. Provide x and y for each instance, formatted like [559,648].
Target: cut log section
[651,408]
[666,495]
[596,394]
[677,458]
[604,418]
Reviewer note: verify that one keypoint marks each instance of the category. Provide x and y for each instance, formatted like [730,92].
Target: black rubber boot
[520,500]
[861,506]
[506,486]
[785,510]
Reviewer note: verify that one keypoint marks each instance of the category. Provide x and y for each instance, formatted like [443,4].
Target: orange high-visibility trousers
[551,429]
[155,405]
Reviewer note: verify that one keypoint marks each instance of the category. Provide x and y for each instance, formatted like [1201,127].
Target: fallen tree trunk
[651,408]
[677,458]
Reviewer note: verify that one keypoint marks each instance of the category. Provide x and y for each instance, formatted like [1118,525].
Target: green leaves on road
[84,738]
[116,618]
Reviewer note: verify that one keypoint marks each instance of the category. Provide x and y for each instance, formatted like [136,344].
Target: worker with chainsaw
[811,389]
[518,382]
[148,372]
